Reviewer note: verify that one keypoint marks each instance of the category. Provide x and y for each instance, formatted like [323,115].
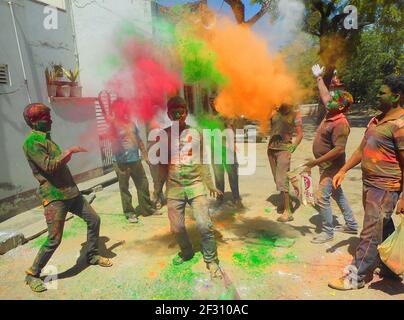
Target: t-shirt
[282,129]
[125,145]
[186,176]
[380,154]
[45,159]
[333,131]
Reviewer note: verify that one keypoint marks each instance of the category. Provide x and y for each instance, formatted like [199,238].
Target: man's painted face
[43,122]
[178,114]
[386,98]
[340,101]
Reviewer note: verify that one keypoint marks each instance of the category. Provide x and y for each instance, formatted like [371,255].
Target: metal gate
[105,142]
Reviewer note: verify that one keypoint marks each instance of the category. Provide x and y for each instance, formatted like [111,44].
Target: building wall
[40,47]
[97,25]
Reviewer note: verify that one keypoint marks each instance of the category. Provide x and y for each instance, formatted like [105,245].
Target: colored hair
[341,99]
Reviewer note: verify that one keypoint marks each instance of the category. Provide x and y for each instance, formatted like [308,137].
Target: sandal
[288,219]
[36,284]
[102,262]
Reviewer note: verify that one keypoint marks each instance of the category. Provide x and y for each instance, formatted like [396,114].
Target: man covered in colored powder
[126,144]
[329,150]
[227,164]
[381,155]
[284,123]
[186,182]
[57,191]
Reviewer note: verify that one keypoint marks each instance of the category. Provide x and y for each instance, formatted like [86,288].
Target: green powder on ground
[177,282]
[255,258]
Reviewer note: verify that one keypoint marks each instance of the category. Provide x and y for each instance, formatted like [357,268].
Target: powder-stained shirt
[125,144]
[282,128]
[185,175]
[45,159]
[333,131]
[383,140]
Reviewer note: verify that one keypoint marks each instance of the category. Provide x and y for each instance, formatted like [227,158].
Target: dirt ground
[263,259]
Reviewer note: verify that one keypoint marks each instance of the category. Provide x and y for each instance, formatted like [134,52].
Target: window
[60,4]
[4,76]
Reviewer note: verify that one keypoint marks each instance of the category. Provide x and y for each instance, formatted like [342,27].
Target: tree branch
[238,10]
[259,14]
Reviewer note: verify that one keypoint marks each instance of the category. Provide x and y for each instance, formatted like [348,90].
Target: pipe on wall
[19,50]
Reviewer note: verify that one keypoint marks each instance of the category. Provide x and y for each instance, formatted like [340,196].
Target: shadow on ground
[277,201]
[352,244]
[82,264]
[388,286]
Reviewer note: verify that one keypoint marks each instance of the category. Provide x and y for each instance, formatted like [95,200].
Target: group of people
[188,182]
[380,155]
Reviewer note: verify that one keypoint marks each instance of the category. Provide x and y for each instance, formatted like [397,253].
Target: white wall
[96,25]
[40,47]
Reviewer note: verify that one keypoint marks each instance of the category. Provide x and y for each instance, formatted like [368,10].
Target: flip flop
[281,219]
[103,262]
[36,284]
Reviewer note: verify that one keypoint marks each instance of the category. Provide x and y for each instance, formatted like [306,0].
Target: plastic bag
[307,188]
[301,185]
[392,250]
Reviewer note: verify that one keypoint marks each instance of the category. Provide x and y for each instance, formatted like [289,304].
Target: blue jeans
[325,192]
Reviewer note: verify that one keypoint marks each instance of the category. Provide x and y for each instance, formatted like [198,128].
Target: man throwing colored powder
[126,144]
[57,191]
[329,151]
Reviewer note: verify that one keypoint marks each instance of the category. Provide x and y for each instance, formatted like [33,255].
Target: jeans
[133,170]
[325,192]
[232,172]
[176,215]
[55,215]
[377,226]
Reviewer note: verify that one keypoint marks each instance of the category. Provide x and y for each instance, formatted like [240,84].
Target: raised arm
[324,93]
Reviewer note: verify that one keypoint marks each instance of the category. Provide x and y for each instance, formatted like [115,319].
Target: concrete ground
[263,259]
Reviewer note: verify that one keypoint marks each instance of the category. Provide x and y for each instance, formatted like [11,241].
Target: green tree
[325,19]
[377,55]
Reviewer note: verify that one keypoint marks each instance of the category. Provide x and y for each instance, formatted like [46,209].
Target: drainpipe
[76,49]
[19,50]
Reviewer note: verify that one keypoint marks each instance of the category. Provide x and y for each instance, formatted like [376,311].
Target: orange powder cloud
[257,81]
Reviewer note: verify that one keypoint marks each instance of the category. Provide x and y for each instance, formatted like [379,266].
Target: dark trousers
[133,170]
[232,172]
[377,226]
[279,161]
[157,191]
[176,215]
[55,215]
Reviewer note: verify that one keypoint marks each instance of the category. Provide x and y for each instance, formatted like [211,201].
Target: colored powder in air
[145,81]
[189,51]
[198,62]
[257,80]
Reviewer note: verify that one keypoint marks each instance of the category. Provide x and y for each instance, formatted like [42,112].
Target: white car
[252,133]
